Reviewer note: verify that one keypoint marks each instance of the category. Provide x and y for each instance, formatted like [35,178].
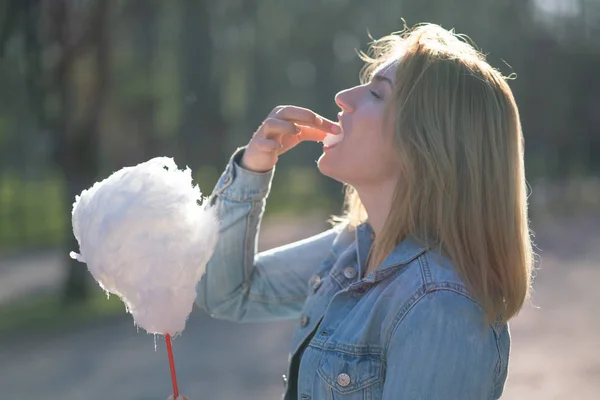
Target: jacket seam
[205,295]
[353,351]
[247,261]
[425,269]
[416,297]
[499,364]
[255,198]
[273,300]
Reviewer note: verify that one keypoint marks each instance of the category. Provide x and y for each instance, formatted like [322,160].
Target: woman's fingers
[267,145]
[308,133]
[273,127]
[291,120]
[283,129]
[305,117]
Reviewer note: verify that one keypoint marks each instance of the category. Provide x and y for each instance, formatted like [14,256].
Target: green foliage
[33,212]
[193,79]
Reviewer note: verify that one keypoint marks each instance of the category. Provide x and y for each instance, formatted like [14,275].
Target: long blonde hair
[462,189]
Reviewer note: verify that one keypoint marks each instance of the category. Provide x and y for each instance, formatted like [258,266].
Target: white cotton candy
[332,139]
[145,238]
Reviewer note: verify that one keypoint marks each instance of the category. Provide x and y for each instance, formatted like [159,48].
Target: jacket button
[285,380]
[349,272]
[303,321]
[315,282]
[343,379]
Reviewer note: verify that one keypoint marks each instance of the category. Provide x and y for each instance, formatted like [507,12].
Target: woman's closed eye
[375,94]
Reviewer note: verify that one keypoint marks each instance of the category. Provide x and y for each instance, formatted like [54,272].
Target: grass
[33,212]
[47,313]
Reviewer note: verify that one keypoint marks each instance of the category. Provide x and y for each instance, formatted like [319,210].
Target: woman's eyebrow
[381,78]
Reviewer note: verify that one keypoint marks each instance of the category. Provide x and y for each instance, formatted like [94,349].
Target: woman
[409,294]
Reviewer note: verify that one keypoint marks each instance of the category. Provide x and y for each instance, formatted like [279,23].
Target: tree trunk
[145,41]
[78,143]
[202,132]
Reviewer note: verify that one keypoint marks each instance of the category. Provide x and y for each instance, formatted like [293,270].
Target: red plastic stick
[172,365]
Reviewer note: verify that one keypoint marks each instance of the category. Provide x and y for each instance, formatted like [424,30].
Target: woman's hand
[284,128]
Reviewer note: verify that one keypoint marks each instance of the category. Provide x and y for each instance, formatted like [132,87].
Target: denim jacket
[408,330]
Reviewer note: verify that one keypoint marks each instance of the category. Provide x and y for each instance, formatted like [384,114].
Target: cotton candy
[331,139]
[145,237]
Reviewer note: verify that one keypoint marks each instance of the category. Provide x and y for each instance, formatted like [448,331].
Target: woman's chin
[326,165]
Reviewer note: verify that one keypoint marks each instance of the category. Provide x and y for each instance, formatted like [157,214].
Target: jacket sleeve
[442,349]
[241,285]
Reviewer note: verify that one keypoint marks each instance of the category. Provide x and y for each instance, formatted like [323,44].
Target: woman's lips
[331,139]
[329,147]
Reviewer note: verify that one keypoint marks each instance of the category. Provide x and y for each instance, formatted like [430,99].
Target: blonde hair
[462,189]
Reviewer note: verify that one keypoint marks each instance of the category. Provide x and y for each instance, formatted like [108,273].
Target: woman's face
[366,156]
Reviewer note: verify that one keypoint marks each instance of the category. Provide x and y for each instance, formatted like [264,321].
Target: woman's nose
[344,100]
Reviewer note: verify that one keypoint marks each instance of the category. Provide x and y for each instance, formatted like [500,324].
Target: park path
[555,353]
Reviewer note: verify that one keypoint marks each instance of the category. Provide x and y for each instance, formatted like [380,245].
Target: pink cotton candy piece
[144,238]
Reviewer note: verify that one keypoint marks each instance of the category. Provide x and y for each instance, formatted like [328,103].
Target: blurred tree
[145,16]
[77,133]
[67,102]
[191,78]
[203,127]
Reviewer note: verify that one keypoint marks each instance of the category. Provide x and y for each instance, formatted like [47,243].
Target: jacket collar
[405,252]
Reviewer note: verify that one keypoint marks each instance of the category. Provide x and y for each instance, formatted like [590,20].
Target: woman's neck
[377,201]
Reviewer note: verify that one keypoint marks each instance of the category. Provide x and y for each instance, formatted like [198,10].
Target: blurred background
[90,86]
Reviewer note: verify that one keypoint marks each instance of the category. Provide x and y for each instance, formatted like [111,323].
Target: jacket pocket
[350,377]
